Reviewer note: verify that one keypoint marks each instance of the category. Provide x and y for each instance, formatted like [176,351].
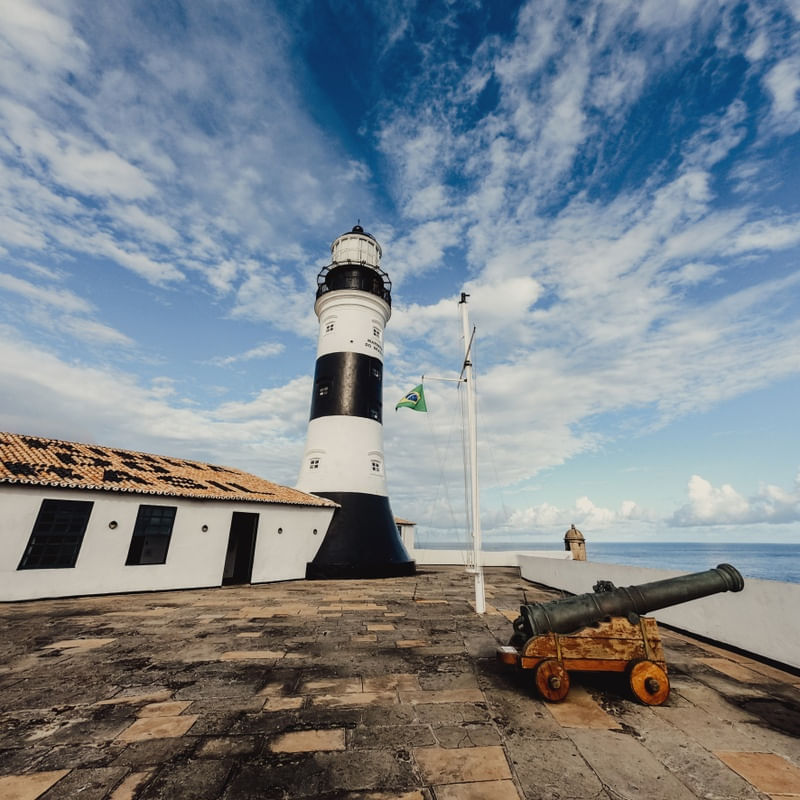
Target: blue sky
[615,184]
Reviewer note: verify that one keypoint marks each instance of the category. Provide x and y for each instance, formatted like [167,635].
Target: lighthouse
[343,459]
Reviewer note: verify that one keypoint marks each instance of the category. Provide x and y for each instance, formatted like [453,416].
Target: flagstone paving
[368,690]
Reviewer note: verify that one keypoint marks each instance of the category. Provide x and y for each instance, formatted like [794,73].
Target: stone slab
[468,735]
[251,655]
[552,769]
[579,710]
[383,683]
[227,747]
[331,686]
[768,772]
[443,696]
[89,784]
[372,737]
[194,779]
[166,709]
[482,790]
[416,794]
[78,645]
[308,741]
[128,789]
[156,696]
[733,670]
[354,699]
[157,728]
[30,786]
[441,766]
[704,774]
[274,704]
[627,768]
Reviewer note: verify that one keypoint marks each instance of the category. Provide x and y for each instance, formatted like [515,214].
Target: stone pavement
[362,689]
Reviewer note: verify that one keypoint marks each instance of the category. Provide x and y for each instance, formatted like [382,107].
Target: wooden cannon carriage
[604,632]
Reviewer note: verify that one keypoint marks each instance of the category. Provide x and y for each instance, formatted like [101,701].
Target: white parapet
[760,619]
[489,558]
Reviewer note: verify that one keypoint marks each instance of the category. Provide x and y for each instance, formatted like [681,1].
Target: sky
[615,184]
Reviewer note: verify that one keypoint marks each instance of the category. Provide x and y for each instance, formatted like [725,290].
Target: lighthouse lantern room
[343,459]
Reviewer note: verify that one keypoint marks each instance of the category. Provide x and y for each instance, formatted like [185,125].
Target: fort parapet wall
[762,619]
[489,558]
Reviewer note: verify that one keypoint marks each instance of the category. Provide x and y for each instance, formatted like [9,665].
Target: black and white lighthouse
[343,459]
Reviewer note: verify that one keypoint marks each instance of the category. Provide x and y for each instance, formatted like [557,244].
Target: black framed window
[57,534]
[151,535]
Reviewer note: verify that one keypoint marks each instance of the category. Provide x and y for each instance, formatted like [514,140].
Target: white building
[82,519]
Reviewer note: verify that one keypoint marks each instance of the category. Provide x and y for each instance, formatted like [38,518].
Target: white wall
[490,558]
[194,559]
[762,618]
[283,556]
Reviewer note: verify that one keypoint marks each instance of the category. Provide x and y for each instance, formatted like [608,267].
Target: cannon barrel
[573,613]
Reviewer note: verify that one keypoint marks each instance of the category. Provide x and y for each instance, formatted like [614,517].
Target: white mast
[472,425]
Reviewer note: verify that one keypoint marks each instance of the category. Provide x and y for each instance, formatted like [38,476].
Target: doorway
[241,549]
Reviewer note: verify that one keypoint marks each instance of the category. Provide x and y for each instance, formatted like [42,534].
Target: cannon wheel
[552,680]
[649,683]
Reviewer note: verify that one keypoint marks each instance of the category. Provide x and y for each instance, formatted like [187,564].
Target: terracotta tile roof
[37,461]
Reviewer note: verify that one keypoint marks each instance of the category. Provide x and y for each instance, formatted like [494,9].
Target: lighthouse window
[323,387]
[329,327]
[376,332]
[373,412]
[376,373]
[313,463]
[376,466]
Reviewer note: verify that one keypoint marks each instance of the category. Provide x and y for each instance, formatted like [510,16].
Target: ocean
[775,562]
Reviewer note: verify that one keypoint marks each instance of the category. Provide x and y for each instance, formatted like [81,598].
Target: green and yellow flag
[415,400]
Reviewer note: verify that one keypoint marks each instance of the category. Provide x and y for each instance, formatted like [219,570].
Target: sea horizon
[776,561]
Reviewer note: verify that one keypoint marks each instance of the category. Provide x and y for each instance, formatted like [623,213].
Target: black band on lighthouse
[348,384]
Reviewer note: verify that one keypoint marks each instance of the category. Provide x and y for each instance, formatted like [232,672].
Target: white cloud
[583,513]
[60,298]
[264,350]
[45,395]
[783,83]
[93,332]
[271,295]
[709,505]
[766,234]
[37,38]
[111,117]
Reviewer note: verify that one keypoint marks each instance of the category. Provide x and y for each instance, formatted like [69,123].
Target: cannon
[606,631]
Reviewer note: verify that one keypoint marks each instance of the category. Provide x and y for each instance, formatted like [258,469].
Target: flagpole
[472,426]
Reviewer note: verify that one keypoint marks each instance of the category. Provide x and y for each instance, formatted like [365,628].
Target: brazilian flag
[415,400]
